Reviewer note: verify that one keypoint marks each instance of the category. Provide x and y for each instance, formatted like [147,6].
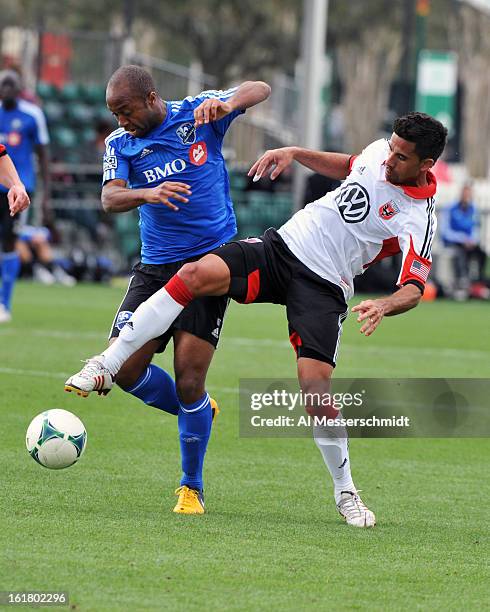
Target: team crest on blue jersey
[122,318]
[187,133]
[110,162]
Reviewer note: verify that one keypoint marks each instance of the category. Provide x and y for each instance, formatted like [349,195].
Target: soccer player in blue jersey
[166,160]
[23,129]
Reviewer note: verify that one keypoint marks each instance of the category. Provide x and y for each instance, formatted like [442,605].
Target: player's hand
[168,189]
[18,199]
[276,160]
[211,110]
[372,312]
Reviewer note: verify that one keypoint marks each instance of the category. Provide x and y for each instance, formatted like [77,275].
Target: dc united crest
[187,133]
[353,203]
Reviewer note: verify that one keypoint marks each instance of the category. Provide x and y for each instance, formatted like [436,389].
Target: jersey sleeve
[416,246]
[115,165]
[3,150]
[41,134]
[223,124]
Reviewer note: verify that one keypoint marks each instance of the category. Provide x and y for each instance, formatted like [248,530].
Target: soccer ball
[56,439]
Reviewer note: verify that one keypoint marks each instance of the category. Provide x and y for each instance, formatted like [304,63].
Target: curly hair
[428,134]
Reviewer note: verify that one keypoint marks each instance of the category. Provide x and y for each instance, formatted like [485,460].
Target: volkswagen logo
[353,202]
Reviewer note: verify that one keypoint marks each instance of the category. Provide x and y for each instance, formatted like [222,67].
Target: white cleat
[5,316]
[94,376]
[355,512]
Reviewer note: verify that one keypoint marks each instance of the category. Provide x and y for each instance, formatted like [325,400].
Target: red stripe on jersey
[352,159]
[3,150]
[415,267]
[390,247]
[253,286]
[178,290]
[296,341]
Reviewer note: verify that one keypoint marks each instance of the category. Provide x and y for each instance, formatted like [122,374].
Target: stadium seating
[127,232]
[73,113]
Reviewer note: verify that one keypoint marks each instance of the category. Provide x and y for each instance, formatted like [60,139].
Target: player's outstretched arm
[116,197]
[334,165]
[373,311]
[247,95]
[17,196]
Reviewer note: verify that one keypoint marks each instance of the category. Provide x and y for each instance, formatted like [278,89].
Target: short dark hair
[428,134]
[139,80]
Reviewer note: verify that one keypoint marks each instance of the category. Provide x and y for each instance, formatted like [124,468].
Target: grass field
[104,531]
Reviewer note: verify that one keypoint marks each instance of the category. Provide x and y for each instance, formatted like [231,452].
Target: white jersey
[364,220]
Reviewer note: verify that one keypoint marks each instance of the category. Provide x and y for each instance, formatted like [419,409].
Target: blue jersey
[175,150]
[461,224]
[22,128]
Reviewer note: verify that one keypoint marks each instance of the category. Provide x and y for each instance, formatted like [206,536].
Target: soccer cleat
[63,278]
[355,512]
[190,501]
[43,275]
[94,376]
[6,317]
[214,407]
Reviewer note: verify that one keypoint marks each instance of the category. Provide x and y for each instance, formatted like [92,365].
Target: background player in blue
[23,130]
[180,219]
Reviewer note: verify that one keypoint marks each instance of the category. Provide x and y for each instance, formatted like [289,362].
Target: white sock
[150,320]
[333,444]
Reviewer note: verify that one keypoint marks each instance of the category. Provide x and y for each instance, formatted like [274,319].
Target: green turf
[271,539]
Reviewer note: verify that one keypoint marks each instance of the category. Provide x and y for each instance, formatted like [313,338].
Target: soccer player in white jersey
[384,206]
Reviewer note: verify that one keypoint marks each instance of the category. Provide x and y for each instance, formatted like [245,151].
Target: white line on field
[40,373]
[61,375]
[270,342]
[384,350]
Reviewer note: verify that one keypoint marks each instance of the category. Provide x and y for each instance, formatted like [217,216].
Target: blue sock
[156,388]
[194,431]
[10,272]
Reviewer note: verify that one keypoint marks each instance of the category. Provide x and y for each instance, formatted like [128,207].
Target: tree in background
[366,37]
[232,40]
[473,41]
[367,68]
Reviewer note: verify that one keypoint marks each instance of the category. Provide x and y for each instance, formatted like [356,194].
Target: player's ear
[152,98]
[426,164]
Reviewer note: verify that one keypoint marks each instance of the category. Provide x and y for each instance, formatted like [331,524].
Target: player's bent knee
[190,273]
[208,276]
[190,386]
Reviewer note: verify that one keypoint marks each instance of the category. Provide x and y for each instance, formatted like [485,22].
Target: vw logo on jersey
[187,133]
[353,202]
[122,318]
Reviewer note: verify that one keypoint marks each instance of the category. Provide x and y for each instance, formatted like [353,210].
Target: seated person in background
[460,231]
[37,257]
